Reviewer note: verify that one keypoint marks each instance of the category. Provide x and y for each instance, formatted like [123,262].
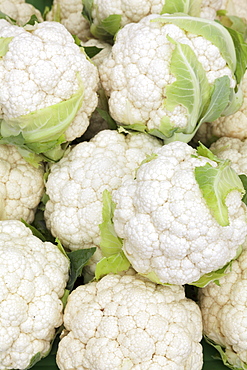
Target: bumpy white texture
[19,10]
[43,67]
[75,184]
[224,311]
[70,13]
[33,277]
[21,185]
[234,125]
[134,11]
[137,71]
[233,149]
[126,322]
[165,223]
[234,7]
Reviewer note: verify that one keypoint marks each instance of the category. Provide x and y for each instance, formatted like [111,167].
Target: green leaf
[4,45]
[235,101]
[91,51]
[203,151]
[35,232]
[87,10]
[107,28]
[191,7]
[44,125]
[110,243]
[107,117]
[239,365]
[140,127]
[211,359]
[112,264]
[243,178]
[210,30]
[241,53]
[219,100]
[191,88]
[234,22]
[78,259]
[215,184]
[33,19]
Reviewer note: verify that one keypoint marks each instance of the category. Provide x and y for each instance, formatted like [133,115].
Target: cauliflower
[69,13]
[106,17]
[48,86]
[126,322]
[19,10]
[234,125]
[181,217]
[33,278]
[233,149]
[224,311]
[21,185]
[166,75]
[75,184]
[238,8]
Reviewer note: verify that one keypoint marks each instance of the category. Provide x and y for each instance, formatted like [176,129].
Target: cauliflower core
[224,311]
[76,183]
[33,278]
[137,72]
[126,322]
[165,223]
[21,185]
[42,67]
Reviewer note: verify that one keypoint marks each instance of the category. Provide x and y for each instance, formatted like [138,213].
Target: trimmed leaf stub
[114,259]
[4,45]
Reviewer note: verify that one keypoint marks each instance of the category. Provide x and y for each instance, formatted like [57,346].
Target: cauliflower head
[33,278]
[19,10]
[168,225]
[21,185]
[49,87]
[76,183]
[130,323]
[163,75]
[69,13]
[224,313]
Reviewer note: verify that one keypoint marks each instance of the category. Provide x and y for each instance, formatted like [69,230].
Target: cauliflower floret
[33,278]
[126,322]
[70,14]
[19,10]
[21,185]
[224,312]
[42,67]
[75,184]
[164,221]
[233,149]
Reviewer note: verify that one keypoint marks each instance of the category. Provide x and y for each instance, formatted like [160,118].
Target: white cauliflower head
[168,227]
[145,74]
[19,10]
[75,184]
[126,322]
[69,13]
[33,277]
[224,311]
[48,86]
[21,185]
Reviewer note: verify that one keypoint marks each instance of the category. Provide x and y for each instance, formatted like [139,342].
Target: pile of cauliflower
[123,184]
